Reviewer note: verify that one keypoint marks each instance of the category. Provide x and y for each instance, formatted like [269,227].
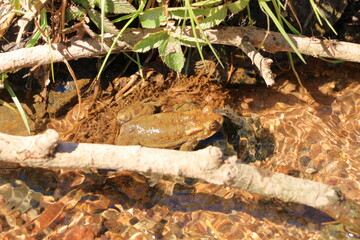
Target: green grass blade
[102,8]
[122,18]
[138,62]
[319,15]
[51,58]
[316,11]
[132,59]
[277,10]
[291,27]
[37,35]
[264,5]
[140,10]
[19,12]
[330,26]
[193,27]
[292,64]
[193,20]
[280,4]
[332,60]
[251,22]
[16,101]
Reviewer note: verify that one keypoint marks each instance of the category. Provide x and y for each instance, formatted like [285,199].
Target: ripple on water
[325,141]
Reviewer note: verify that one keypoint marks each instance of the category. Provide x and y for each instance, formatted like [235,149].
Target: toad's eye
[123,118]
[213,125]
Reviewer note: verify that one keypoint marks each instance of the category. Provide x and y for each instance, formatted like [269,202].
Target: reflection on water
[126,206]
[321,145]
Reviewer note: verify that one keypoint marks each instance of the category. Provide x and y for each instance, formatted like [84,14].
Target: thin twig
[262,63]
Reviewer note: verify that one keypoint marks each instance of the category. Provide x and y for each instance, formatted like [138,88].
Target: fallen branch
[85,48]
[207,164]
[262,63]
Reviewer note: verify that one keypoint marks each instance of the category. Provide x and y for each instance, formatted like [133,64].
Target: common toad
[170,130]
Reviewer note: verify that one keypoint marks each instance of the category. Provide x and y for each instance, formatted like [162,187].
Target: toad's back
[168,130]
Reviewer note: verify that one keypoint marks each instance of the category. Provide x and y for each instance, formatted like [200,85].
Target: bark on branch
[207,164]
[262,63]
[85,48]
